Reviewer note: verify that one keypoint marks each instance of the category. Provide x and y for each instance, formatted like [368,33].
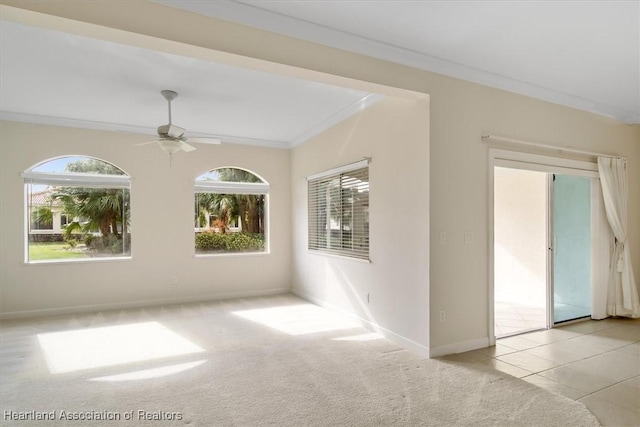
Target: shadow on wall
[356,298]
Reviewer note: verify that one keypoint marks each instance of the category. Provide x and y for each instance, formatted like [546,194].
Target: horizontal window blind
[339,212]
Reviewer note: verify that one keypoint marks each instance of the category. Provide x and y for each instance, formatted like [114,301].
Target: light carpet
[272,361]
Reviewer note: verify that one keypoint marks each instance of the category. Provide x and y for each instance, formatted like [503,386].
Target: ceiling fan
[171,138]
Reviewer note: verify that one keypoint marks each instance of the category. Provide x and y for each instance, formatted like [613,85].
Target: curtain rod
[487,137]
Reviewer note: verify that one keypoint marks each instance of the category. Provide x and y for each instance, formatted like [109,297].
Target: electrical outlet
[468,237]
[174,280]
[443,238]
[443,315]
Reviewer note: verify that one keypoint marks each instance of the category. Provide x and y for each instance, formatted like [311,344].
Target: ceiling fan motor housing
[170,131]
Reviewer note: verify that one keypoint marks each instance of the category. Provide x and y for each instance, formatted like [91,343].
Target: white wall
[161,223]
[395,134]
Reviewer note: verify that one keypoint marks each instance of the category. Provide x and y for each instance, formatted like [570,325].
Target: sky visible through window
[223,174]
[209,176]
[57,165]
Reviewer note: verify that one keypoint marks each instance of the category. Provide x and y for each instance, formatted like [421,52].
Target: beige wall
[161,223]
[459,113]
[394,133]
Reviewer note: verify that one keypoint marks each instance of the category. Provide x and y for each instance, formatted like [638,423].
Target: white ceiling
[63,79]
[583,54]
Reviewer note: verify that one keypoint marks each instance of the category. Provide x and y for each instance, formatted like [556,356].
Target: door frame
[533,162]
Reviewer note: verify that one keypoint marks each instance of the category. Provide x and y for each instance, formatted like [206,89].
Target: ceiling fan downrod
[169,95]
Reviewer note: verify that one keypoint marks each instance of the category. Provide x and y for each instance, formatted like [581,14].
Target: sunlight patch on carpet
[70,351]
[150,373]
[363,337]
[298,319]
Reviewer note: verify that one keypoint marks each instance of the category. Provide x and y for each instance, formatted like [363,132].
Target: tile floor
[594,362]
[514,317]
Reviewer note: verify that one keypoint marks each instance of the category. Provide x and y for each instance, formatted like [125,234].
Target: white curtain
[622,299]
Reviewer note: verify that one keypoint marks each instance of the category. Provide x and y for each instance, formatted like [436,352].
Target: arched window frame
[232,187]
[71,179]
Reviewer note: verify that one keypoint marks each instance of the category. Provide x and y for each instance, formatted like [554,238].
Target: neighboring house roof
[43,198]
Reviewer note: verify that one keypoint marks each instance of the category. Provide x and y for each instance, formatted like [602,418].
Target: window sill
[78,261]
[231,254]
[344,257]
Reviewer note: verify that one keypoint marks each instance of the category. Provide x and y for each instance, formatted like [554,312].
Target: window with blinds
[339,211]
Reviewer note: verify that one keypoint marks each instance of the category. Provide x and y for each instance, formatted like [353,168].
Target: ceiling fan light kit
[169,146]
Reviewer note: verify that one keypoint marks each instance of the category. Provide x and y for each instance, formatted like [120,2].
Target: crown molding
[254,16]
[318,128]
[358,106]
[73,123]
[115,127]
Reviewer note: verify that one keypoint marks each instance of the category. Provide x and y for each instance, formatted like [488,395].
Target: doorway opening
[520,250]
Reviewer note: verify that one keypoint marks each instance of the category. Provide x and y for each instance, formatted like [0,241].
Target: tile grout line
[609,386]
[564,364]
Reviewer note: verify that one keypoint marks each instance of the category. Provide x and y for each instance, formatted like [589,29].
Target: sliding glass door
[549,242]
[571,224]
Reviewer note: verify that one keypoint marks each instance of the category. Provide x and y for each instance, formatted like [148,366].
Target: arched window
[77,208]
[230,212]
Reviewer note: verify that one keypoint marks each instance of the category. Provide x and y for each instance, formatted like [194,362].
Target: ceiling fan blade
[186,147]
[145,143]
[205,140]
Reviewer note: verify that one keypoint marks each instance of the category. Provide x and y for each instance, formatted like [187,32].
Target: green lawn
[55,250]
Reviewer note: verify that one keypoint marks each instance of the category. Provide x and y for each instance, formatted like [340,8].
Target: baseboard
[407,343]
[139,303]
[459,347]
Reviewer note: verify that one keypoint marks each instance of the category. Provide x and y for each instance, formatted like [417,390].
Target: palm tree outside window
[230,212]
[77,207]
